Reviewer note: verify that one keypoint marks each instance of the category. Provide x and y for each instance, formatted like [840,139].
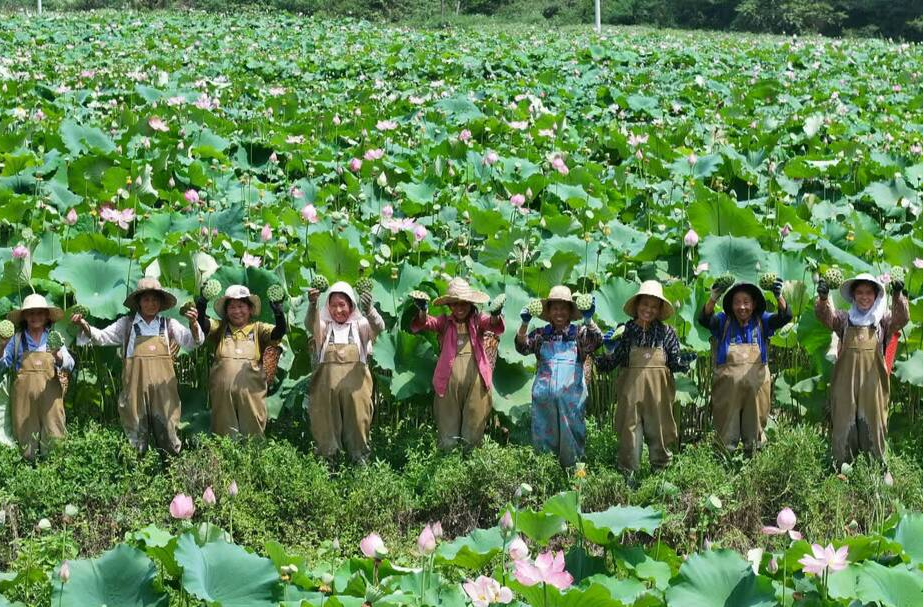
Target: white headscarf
[351,324]
[871,317]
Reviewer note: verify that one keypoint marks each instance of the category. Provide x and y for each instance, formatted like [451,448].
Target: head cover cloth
[874,314]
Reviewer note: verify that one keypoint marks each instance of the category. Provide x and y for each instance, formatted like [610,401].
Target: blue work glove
[777,288]
[525,316]
[609,341]
[588,314]
[688,357]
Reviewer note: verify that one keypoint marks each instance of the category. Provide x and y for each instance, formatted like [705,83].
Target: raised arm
[823,309]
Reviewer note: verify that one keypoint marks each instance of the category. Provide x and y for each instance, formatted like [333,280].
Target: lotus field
[268,150]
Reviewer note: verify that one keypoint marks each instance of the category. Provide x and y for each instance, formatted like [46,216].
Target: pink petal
[795,535]
[769,530]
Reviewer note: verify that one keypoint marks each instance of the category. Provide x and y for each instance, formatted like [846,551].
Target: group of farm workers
[645,352]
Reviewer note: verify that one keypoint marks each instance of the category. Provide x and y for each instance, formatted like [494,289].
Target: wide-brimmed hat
[650,288]
[35,302]
[460,290]
[847,287]
[559,293]
[236,292]
[146,285]
[751,289]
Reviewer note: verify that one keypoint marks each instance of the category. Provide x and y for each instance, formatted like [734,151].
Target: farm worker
[463,379]
[237,385]
[647,355]
[740,388]
[37,396]
[340,400]
[149,401]
[559,391]
[860,387]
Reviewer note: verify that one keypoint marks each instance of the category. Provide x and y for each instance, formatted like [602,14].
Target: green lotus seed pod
[79,309]
[364,285]
[211,290]
[7,329]
[498,302]
[584,301]
[55,341]
[898,273]
[767,280]
[186,307]
[275,293]
[724,281]
[535,307]
[418,295]
[320,282]
[833,277]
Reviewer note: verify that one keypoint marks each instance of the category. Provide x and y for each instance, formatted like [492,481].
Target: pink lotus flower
[825,559]
[519,125]
[637,140]
[122,218]
[20,252]
[785,522]
[437,530]
[491,158]
[518,549]
[691,239]
[232,489]
[885,278]
[558,164]
[208,496]
[387,211]
[336,120]
[191,196]
[702,267]
[373,546]
[71,217]
[355,164]
[692,159]
[156,123]
[464,136]
[786,230]
[309,213]
[273,158]
[386,125]
[419,232]
[486,591]
[64,573]
[506,521]
[426,543]
[295,139]
[517,200]
[294,192]
[547,569]
[918,263]
[182,507]
[375,154]
[251,261]
[266,233]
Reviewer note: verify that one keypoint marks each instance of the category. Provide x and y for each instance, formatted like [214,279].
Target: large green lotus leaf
[123,576]
[333,257]
[516,299]
[420,193]
[844,258]
[512,390]
[539,526]
[550,272]
[460,108]
[644,566]
[473,551]
[101,283]
[703,167]
[716,214]
[574,196]
[6,413]
[79,139]
[889,586]
[719,578]
[411,360]
[606,527]
[391,293]
[258,280]
[909,531]
[595,595]
[226,575]
[911,371]
[626,590]
[434,588]
[591,256]
[902,251]
[611,298]
[742,257]
[565,505]
[887,195]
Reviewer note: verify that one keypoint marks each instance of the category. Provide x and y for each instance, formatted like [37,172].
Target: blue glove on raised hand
[589,312]
[525,316]
[777,288]
[609,341]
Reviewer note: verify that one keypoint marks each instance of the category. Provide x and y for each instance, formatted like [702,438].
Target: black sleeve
[707,320]
[671,346]
[278,331]
[201,306]
[779,319]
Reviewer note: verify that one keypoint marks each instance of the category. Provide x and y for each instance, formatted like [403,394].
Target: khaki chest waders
[740,397]
[461,413]
[237,387]
[860,391]
[38,403]
[149,402]
[645,393]
[340,407]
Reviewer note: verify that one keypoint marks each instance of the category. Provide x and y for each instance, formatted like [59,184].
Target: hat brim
[131,302]
[847,287]
[751,289]
[221,304]
[631,306]
[546,308]
[475,297]
[54,314]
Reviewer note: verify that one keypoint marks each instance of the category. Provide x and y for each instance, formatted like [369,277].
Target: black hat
[748,287]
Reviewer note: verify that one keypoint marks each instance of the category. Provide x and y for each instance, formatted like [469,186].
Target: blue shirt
[7,361]
[757,330]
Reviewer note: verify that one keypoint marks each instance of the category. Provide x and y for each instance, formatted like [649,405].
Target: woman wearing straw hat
[647,355]
[464,377]
[340,402]
[37,396]
[860,387]
[149,400]
[559,391]
[236,383]
[741,384]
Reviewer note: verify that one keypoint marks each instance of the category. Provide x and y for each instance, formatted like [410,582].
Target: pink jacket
[448,340]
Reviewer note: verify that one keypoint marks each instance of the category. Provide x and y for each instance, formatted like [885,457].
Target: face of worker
[648,310]
[339,307]
[559,312]
[460,310]
[149,303]
[238,312]
[742,305]
[36,320]
[865,294]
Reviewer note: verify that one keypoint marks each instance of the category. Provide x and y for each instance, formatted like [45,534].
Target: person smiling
[647,355]
[37,396]
[860,387]
[741,384]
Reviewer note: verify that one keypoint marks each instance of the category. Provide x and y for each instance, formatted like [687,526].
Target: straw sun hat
[149,285]
[237,292]
[559,293]
[650,288]
[35,302]
[459,290]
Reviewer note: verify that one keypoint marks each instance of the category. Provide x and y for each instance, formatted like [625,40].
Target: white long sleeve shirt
[114,334]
